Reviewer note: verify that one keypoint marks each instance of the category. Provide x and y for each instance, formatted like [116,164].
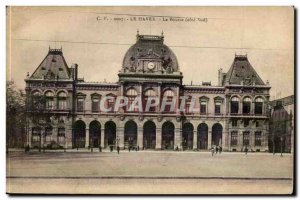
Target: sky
[97,38]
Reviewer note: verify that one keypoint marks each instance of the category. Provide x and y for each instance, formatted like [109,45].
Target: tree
[15,116]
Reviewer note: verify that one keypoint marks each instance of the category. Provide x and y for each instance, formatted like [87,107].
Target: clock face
[151,65]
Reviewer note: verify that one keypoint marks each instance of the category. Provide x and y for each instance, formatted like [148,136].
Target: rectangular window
[61,132]
[80,105]
[234,123]
[110,104]
[203,107]
[246,122]
[234,138]
[187,106]
[218,108]
[246,138]
[257,123]
[258,138]
[95,105]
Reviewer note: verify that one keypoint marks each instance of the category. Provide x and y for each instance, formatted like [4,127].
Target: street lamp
[281,140]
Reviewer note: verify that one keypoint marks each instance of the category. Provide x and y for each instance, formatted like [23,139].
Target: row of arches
[149,135]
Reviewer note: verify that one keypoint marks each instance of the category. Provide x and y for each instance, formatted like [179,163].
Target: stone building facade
[233,114]
[281,137]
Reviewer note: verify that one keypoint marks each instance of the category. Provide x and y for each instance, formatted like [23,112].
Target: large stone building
[281,137]
[233,114]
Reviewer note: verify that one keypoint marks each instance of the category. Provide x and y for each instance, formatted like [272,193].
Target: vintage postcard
[150,100]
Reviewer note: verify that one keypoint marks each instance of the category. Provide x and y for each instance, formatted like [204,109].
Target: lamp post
[281,140]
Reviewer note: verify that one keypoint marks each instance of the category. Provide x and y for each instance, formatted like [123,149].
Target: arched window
[258,107]
[246,105]
[49,101]
[131,94]
[95,103]
[168,98]
[62,101]
[150,96]
[234,105]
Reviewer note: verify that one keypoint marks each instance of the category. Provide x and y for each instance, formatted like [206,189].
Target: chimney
[75,71]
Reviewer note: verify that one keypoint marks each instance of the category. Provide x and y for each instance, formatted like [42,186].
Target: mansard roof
[242,73]
[53,66]
[150,47]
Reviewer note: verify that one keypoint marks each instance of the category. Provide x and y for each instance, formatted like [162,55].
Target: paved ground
[148,172]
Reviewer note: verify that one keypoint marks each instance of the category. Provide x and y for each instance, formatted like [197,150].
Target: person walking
[220,149]
[246,150]
[212,151]
[118,149]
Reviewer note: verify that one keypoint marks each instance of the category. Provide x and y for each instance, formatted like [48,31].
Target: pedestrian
[212,151]
[118,149]
[111,148]
[100,149]
[217,149]
[246,150]
[220,150]
[129,148]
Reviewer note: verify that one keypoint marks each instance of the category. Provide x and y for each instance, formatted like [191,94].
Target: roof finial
[49,48]
[162,33]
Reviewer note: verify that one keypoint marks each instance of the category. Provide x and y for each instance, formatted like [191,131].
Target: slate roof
[241,72]
[53,66]
[150,47]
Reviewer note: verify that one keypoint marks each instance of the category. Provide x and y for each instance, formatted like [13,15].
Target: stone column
[240,107]
[177,101]
[252,108]
[120,135]
[102,138]
[224,139]
[209,138]
[158,139]
[195,140]
[178,138]
[140,137]
[159,97]
[87,138]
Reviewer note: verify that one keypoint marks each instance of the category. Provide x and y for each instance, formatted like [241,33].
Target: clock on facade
[151,65]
